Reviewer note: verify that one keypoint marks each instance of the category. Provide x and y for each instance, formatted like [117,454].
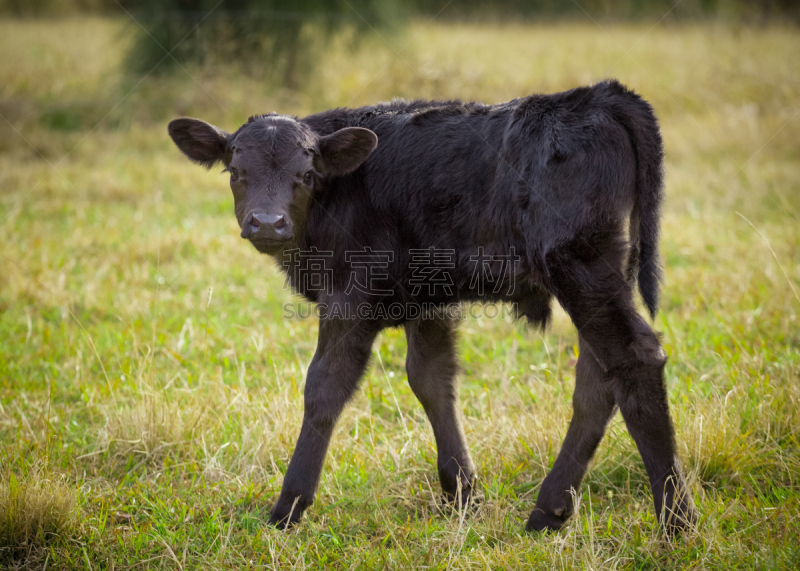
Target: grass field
[150,391]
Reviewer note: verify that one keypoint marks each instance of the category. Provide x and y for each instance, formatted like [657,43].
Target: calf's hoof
[284,517]
[466,502]
[546,520]
[679,518]
[457,487]
[463,498]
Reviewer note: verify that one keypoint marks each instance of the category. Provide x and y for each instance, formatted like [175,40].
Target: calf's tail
[638,118]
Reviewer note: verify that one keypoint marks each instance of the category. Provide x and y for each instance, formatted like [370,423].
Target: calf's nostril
[280,223]
[254,222]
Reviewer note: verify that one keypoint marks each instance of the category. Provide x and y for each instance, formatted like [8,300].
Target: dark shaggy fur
[560,194]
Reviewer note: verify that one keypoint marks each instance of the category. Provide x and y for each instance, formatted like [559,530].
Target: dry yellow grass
[34,511]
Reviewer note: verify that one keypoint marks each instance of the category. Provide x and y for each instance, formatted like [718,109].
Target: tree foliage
[279,36]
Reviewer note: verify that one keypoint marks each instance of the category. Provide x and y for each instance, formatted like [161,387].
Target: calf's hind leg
[593,406]
[600,303]
[431,366]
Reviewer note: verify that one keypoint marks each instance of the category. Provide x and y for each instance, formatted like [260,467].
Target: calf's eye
[308,178]
[234,174]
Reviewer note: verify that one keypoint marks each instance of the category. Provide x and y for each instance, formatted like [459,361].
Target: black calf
[421,204]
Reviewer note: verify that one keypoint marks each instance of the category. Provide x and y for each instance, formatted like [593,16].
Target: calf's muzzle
[260,226]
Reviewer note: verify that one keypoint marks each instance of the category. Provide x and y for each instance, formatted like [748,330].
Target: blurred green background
[151,392]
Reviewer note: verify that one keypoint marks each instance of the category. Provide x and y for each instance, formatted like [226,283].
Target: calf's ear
[204,144]
[346,149]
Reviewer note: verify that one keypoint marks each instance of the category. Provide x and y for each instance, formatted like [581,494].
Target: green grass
[149,385]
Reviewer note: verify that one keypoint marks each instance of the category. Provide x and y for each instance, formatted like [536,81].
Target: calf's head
[275,163]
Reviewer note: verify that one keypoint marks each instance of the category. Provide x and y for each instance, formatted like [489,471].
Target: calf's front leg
[343,350]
